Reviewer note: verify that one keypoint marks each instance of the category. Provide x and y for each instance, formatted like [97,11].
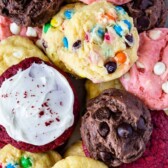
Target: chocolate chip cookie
[116,127]
[30,12]
[147,14]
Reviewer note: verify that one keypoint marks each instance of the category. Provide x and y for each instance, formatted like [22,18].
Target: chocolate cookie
[30,13]
[147,14]
[116,127]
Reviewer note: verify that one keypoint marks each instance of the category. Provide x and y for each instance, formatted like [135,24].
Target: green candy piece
[25,162]
[46,27]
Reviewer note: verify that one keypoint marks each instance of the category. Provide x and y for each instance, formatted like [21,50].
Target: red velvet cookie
[156,154]
[40,108]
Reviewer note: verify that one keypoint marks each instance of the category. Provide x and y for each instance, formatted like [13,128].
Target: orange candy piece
[120,57]
[110,16]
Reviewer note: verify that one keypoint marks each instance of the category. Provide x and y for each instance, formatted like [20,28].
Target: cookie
[11,157]
[147,14]
[9,28]
[156,153]
[30,12]
[148,78]
[97,41]
[15,49]
[39,106]
[116,127]
[117,2]
[75,150]
[94,89]
[79,162]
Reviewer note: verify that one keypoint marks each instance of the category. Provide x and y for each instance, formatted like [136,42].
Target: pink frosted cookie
[148,78]
[9,28]
[117,2]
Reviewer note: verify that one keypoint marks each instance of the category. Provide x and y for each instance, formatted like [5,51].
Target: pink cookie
[117,2]
[148,78]
[8,28]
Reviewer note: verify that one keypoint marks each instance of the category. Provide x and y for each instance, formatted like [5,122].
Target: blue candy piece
[118,29]
[128,24]
[69,13]
[100,32]
[65,42]
[120,9]
[10,165]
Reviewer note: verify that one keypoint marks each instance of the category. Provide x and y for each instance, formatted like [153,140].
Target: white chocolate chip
[127,76]
[31,32]
[140,65]
[165,87]
[14,28]
[17,54]
[154,34]
[159,68]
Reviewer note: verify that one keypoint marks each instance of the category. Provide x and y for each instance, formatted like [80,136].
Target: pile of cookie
[52,52]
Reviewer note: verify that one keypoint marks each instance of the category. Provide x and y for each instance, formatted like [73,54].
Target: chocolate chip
[5,2]
[111,67]
[116,115]
[103,129]
[44,43]
[143,22]
[102,113]
[106,156]
[129,40]
[77,44]
[141,123]
[124,130]
[144,4]
[5,11]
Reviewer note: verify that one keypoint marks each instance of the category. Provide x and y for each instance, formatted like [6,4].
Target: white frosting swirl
[36,105]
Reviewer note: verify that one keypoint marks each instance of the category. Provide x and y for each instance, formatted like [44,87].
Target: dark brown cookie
[147,14]
[116,127]
[30,12]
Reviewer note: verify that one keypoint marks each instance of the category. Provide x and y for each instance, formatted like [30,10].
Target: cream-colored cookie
[79,162]
[52,32]
[15,49]
[96,41]
[9,155]
[71,1]
[75,150]
[94,89]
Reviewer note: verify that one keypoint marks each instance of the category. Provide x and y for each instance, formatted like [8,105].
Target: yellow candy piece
[54,22]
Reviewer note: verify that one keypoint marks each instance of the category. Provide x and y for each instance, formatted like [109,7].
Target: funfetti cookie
[9,28]
[79,162]
[15,49]
[38,107]
[148,78]
[116,127]
[30,12]
[117,2]
[147,14]
[98,41]
[52,32]
[11,157]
